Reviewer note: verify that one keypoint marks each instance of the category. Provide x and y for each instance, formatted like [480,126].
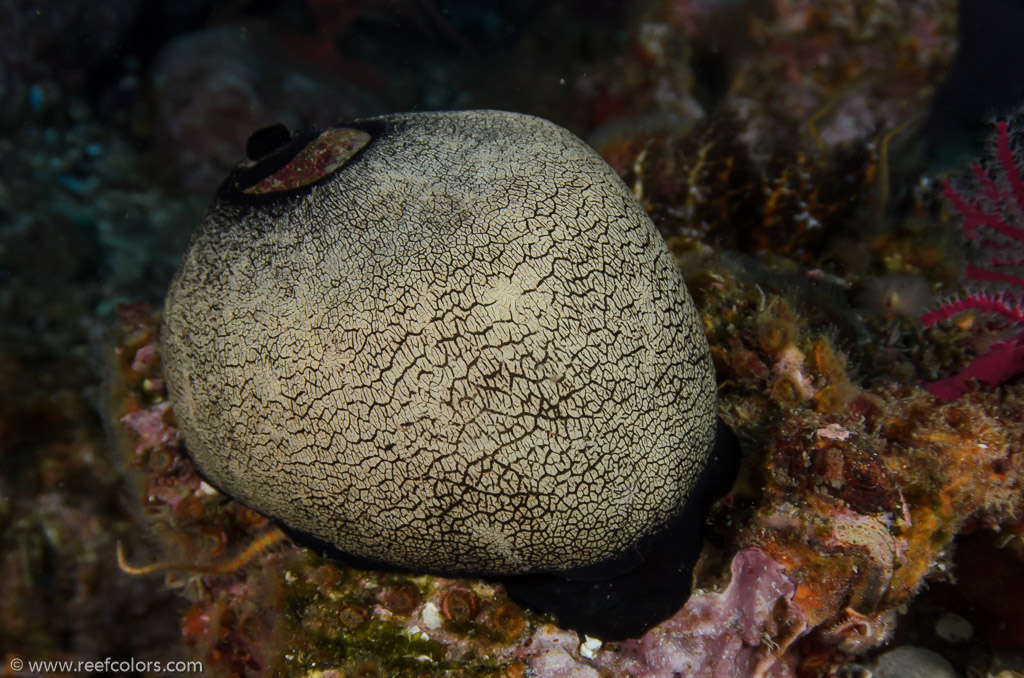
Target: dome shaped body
[464,350]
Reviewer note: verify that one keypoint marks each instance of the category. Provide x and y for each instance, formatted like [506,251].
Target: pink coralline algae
[744,630]
[992,213]
[151,426]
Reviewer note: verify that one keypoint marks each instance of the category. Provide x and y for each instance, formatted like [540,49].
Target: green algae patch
[332,622]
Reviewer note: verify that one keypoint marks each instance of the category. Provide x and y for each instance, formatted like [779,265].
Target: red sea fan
[992,212]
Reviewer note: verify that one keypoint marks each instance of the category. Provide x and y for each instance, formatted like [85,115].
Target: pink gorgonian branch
[1002,305]
[992,216]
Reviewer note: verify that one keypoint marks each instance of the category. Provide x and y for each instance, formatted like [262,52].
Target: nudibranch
[450,343]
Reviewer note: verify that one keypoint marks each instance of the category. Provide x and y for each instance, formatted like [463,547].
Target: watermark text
[107,665]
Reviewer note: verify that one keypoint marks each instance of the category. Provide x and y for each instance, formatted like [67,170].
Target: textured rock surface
[467,350]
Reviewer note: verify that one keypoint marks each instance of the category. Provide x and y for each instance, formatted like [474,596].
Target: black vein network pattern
[467,350]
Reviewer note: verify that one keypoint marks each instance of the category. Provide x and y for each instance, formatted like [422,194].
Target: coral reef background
[790,151]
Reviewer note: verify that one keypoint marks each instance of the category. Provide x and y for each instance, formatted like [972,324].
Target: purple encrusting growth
[992,212]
